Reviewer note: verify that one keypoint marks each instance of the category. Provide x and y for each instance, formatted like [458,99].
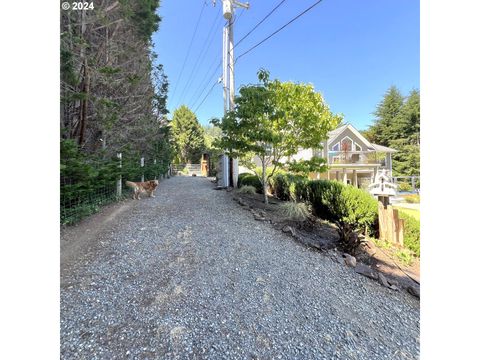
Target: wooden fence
[390,225]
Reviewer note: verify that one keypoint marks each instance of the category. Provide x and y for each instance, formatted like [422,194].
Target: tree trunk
[264,180]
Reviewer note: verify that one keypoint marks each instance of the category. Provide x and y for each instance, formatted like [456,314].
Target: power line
[209,91]
[197,97]
[278,30]
[210,79]
[228,51]
[211,66]
[261,21]
[203,52]
[189,48]
[243,38]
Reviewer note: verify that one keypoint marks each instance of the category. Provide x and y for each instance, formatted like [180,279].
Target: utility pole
[228,81]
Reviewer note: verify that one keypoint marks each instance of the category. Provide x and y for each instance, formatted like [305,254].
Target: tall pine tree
[397,125]
[187,135]
[386,115]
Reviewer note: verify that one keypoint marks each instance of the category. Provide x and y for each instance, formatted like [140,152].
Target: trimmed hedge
[411,232]
[250,179]
[352,210]
[290,187]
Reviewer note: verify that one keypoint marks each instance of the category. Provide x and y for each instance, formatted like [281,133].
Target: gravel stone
[190,274]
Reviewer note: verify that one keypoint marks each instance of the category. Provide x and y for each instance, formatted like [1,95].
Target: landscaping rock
[350,260]
[365,270]
[241,202]
[383,280]
[414,290]
[289,230]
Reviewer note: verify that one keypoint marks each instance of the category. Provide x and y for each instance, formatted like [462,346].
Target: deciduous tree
[273,120]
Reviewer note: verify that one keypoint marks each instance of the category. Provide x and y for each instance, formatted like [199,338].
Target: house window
[336,147]
[346,144]
[358,147]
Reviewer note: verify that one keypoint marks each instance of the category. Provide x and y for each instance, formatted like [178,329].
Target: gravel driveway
[189,274]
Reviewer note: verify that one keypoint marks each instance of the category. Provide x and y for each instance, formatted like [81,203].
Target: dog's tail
[131,184]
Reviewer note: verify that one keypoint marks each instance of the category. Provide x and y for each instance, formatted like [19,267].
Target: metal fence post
[119,181]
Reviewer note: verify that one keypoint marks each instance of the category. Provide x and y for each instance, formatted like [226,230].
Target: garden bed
[320,235]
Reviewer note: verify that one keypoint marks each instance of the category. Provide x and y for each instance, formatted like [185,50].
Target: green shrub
[411,232]
[247,189]
[412,198]
[294,211]
[404,186]
[250,179]
[351,209]
[290,187]
[86,182]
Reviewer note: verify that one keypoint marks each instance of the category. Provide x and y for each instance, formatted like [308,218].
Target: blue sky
[352,51]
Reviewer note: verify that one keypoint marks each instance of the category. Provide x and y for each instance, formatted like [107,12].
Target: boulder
[365,270]
[350,260]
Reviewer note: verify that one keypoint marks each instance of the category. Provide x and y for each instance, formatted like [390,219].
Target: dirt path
[190,275]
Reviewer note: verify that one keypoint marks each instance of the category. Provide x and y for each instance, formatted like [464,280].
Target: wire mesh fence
[86,186]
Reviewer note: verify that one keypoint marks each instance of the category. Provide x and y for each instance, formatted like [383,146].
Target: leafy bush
[404,186]
[351,209]
[185,171]
[294,211]
[412,198]
[85,182]
[250,179]
[247,189]
[290,187]
[411,232]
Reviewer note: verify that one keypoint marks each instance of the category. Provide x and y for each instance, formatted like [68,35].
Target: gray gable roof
[336,134]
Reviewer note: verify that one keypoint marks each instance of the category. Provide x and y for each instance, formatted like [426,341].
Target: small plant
[412,198]
[250,179]
[185,171]
[351,209]
[404,186]
[405,256]
[411,232]
[247,189]
[294,211]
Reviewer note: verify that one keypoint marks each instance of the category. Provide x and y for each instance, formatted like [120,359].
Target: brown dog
[140,187]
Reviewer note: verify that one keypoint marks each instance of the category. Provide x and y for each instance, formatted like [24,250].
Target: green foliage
[294,211]
[411,232]
[85,183]
[404,186]
[351,209]
[188,136]
[412,198]
[247,189]
[143,15]
[304,167]
[404,255]
[67,68]
[250,179]
[290,187]
[273,120]
[386,114]
[397,125]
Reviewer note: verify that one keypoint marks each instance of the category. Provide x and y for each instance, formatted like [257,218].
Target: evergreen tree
[386,113]
[187,135]
[397,125]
